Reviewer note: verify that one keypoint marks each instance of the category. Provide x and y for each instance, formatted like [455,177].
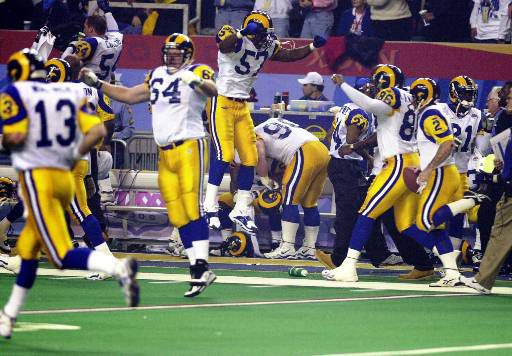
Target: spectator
[391,19]
[493,102]
[232,12]
[124,124]
[446,21]
[500,243]
[278,10]
[312,87]
[486,20]
[130,20]
[319,17]
[356,20]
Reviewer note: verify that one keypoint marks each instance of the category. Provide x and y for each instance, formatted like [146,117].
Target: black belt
[172,145]
[237,99]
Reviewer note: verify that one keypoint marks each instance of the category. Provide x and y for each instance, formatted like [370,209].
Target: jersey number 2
[69,122]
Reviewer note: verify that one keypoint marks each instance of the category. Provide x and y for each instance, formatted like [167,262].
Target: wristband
[312,47]
[239,35]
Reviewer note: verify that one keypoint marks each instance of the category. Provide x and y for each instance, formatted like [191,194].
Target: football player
[60,71]
[466,125]
[241,56]
[396,139]
[306,160]
[177,89]
[48,127]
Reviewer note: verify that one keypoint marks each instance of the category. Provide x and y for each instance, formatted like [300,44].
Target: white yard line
[437,350]
[291,282]
[235,304]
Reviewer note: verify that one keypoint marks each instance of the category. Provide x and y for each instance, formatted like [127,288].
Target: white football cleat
[12,264]
[284,251]
[448,281]
[305,253]
[347,272]
[125,272]
[472,283]
[201,276]
[244,219]
[6,325]
[98,276]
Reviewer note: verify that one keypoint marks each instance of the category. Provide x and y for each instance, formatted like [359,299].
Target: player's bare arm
[374,106]
[291,55]
[134,95]
[444,150]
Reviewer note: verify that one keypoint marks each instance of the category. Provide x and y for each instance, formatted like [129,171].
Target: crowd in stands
[485,21]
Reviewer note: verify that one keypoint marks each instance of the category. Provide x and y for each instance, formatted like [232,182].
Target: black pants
[393,30]
[350,188]
[94,202]
[487,212]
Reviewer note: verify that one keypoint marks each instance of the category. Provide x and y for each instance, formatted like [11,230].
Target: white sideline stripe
[237,304]
[437,350]
[295,282]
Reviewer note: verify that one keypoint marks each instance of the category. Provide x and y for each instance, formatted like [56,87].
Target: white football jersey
[350,114]
[100,54]
[465,129]
[396,133]
[434,128]
[176,108]
[238,70]
[53,129]
[282,138]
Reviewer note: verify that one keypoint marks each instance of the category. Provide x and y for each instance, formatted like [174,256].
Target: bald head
[75,64]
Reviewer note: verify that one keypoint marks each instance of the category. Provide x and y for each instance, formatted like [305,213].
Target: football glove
[190,78]
[89,78]
[269,183]
[252,28]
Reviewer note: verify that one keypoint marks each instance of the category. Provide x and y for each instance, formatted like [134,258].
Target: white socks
[201,250]
[103,247]
[101,262]
[244,199]
[16,301]
[310,236]
[289,230]
[353,255]
[210,199]
[449,261]
[461,206]
[191,255]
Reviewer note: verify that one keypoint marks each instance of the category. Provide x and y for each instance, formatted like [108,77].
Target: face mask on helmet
[266,37]
[177,52]
[463,97]
[239,244]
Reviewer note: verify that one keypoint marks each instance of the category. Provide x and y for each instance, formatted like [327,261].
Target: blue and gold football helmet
[177,52]
[26,64]
[58,71]
[425,92]
[266,37]
[237,245]
[463,93]
[387,76]
[269,201]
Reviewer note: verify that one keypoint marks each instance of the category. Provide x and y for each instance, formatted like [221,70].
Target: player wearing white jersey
[47,128]
[241,56]
[306,160]
[466,126]
[178,91]
[395,128]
